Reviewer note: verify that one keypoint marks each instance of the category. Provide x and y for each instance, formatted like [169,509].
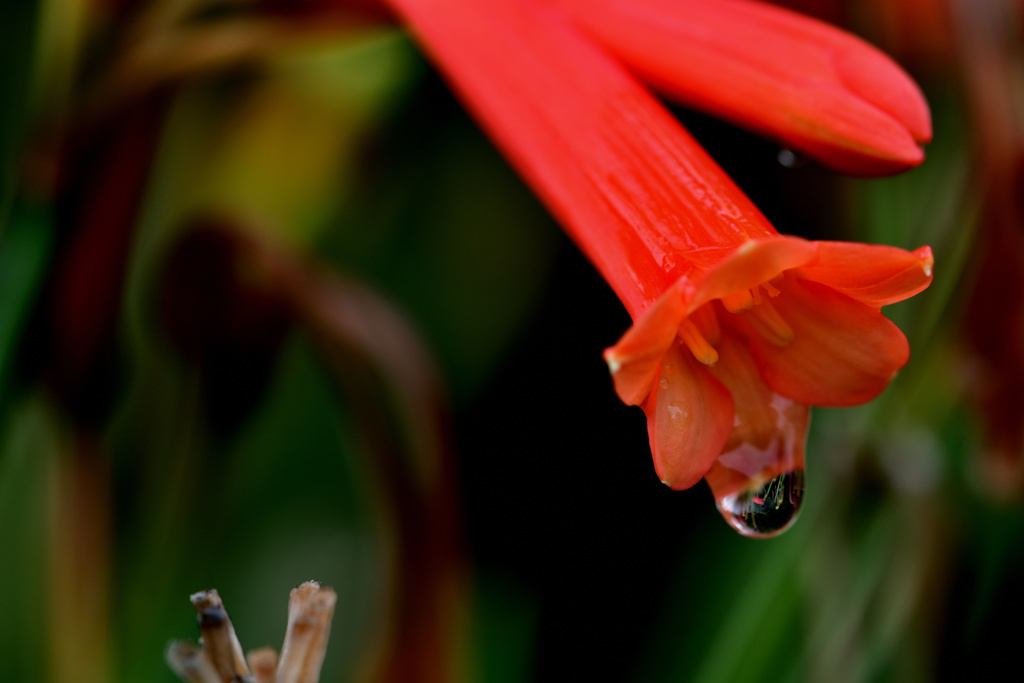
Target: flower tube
[737,329]
[792,78]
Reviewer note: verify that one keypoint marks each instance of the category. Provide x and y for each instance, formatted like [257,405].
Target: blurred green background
[272,308]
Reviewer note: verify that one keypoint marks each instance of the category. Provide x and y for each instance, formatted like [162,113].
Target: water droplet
[791,158]
[765,509]
[663,383]
[678,411]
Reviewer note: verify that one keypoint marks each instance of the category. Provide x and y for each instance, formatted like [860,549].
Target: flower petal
[811,85]
[751,264]
[871,74]
[635,360]
[769,431]
[689,417]
[875,275]
[634,190]
[843,352]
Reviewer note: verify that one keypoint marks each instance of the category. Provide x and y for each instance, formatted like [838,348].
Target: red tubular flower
[737,328]
[805,83]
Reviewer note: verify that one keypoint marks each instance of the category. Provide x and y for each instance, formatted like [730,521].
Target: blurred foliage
[254,441]
[16,45]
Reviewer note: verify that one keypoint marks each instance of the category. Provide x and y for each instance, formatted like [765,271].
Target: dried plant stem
[310,609]
[191,663]
[263,664]
[178,53]
[219,639]
[370,347]
[220,659]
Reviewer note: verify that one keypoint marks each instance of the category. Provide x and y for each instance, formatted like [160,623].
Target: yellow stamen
[770,325]
[698,345]
[738,302]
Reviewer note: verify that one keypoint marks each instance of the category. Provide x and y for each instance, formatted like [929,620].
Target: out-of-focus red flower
[737,328]
[987,47]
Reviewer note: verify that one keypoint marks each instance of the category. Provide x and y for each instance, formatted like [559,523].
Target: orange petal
[635,360]
[843,352]
[875,275]
[751,264]
[689,417]
[769,431]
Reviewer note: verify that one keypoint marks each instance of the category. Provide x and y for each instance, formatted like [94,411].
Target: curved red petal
[751,264]
[875,77]
[811,85]
[843,352]
[875,275]
[635,360]
[689,417]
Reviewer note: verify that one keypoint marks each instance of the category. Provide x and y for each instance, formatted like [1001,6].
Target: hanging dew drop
[758,480]
[767,508]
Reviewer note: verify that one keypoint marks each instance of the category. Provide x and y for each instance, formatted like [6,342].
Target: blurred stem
[419,513]
[163,513]
[399,408]
[838,618]
[762,608]
[161,56]
[80,565]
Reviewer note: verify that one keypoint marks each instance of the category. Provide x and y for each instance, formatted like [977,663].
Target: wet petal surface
[689,417]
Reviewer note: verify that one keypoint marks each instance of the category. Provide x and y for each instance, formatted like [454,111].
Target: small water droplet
[663,383]
[765,509]
[678,411]
[791,158]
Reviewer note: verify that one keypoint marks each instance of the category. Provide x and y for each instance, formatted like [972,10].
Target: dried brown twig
[220,659]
